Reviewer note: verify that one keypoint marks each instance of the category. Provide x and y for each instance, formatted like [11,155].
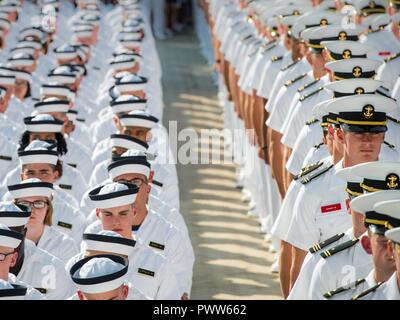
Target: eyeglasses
[38,204]
[3,256]
[136,181]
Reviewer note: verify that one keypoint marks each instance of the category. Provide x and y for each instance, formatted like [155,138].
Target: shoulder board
[332,293]
[157,183]
[392,57]
[6,158]
[96,68]
[393,119]
[317,146]
[307,85]
[302,98]
[243,39]
[391,146]
[265,49]
[367,292]
[64,225]
[310,122]
[274,59]
[327,242]
[308,169]
[65,186]
[289,65]
[146,272]
[73,165]
[41,290]
[318,174]
[80,119]
[339,248]
[156,245]
[290,82]
[35,99]
[253,52]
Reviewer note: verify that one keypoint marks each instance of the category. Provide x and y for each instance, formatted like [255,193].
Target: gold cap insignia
[323,22]
[357,71]
[368,111]
[359,90]
[392,181]
[296,13]
[342,35]
[346,54]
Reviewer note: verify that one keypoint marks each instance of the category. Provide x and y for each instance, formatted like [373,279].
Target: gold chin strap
[368,188]
[365,123]
[386,224]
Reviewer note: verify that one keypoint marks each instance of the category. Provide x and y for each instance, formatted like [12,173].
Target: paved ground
[232,260]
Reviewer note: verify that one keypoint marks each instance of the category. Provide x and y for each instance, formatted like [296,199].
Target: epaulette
[392,57]
[393,119]
[290,82]
[332,293]
[317,146]
[253,52]
[307,85]
[64,225]
[289,65]
[308,169]
[302,98]
[318,174]
[80,119]
[73,165]
[367,292]
[327,242]
[243,39]
[310,122]
[339,248]
[157,183]
[6,158]
[265,49]
[146,272]
[275,58]
[156,245]
[65,186]
[391,146]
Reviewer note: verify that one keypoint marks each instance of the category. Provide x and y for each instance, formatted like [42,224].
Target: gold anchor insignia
[323,22]
[392,181]
[357,72]
[296,13]
[342,35]
[346,54]
[372,4]
[368,111]
[359,90]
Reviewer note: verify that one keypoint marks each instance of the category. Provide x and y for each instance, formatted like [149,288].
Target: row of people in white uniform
[88,173]
[330,90]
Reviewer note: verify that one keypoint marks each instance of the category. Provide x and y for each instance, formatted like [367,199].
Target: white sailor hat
[393,235]
[30,43]
[19,48]
[108,241]
[9,239]
[318,18]
[396,18]
[339,50]
[33,187]
[63,75]
[130,43]
[123,61]
[289,21]
[5,24]
[31,31]
[23,75]
[138,118]
[313,36]
[56,89]
[390,208]
[72,115]
[363,112]
[43,123]
[65,52]
[21,60]
[378,22]
[131,82]
[99,274]
[119,50]
[368,7]
[379,175]
[82,32]
[127,103]
[11,291]
[52,105]
[353,181]
[376,221]
[340,32]
[13,215]
[7,79]
[127,142]
[38,152]
[131,161]
[349,87]
[353,68]
[91,18]
[294,9]
[113,195]
[137,27]
[127,35]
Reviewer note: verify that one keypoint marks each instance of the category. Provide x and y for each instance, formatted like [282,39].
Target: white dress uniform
[316,216]
[8,158]
[382,40]
[339,269]
[389,71]
[57,244]
[79,158]
[386,291]
[45,273]
[31,293]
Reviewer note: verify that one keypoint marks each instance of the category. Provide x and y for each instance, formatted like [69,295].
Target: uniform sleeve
[169,288]
[322,280]
[303,232]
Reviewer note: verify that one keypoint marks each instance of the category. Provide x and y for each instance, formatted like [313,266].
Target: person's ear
[14,259]
[98,213]
[340,135]
[116,121]
[366,244]
[56,174]
[325,55]
[80,295]
[309,57]
[151,176]
[125,293]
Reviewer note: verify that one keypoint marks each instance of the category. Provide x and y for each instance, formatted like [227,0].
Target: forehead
[119,209]
[129,176]
[37,166]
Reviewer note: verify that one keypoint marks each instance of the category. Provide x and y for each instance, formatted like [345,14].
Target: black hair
[28,91]
[61,143]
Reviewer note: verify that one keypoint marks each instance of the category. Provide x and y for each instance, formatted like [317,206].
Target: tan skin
[357,148]
[21,88]
[140,133]
[118,219]
[35,225]
[42,171]
[395,252]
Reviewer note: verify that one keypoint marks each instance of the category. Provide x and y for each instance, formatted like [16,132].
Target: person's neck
[381,276]
[34,233]
[4,275]
[358,224]
[318,74]
[348,162]
[398,278]
[296,56]
[140,216]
